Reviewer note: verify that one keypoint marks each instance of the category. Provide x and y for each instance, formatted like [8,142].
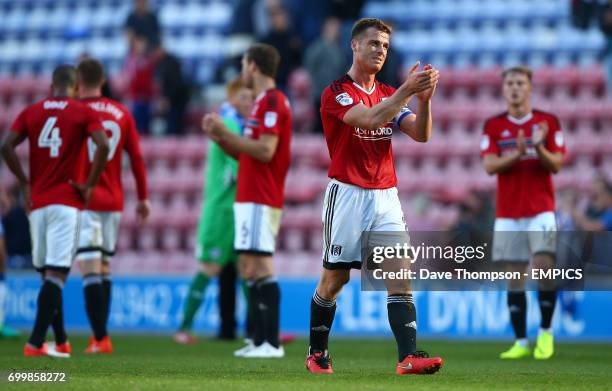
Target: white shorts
[518,239]
[256,227]
[348,212]
[98,235]
[54,230]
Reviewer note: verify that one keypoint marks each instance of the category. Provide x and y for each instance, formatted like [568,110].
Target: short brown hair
[518,69]
[64,76]
[266,57]
[363,24]
[233,86]
[91,72]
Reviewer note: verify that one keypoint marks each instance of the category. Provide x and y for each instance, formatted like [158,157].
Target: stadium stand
[469,42]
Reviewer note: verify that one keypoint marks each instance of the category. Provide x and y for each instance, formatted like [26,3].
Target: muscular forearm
[97,166]
[234,145]
[552,162]
[494,164]
[420,128]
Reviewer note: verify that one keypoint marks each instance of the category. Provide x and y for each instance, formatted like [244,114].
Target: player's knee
[90,266]
[331,284]
[210,269]
[61,274]
[106,268]
[543,261]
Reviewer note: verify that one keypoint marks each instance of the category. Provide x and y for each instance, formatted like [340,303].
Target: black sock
[517,305]
[58,324]
[47,304]
[547,300]
[322,312]
[402,318]
[269,294]
[227,302]
[258,325]
[106,286]
[94,304]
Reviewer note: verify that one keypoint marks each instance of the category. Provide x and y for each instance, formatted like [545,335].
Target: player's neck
[520,111]
[361,77]
[86,93]
[60,93]
[262,83]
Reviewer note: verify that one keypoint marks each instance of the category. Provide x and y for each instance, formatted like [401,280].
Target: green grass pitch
[147,363]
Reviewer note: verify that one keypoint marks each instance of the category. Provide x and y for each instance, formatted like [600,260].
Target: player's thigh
[510,241]
[38,231]
[110,233]
[347,213]
[256,227]
[90,239]
[62,235]
[542,233]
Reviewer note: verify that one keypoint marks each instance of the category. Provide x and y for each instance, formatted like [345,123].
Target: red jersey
[122,134]
[264,183]
[361,157]
[57,130]
[526,189]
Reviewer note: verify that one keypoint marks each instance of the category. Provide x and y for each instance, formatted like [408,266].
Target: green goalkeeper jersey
[216,227]
[221,172]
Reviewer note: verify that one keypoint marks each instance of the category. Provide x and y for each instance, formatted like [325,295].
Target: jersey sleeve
[19,125]
[338,102]
[270,113]
[555,141]
[488,140]
[132,147]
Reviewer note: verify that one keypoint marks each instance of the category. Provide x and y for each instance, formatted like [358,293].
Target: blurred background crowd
[169,62]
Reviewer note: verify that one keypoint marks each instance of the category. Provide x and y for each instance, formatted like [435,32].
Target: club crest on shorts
[336,250]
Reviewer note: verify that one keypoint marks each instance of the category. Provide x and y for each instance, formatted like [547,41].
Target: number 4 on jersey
[50,137]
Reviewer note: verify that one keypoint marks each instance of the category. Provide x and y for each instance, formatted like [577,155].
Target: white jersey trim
[364,90]
[520,121]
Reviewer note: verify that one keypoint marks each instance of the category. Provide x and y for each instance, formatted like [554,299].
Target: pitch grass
[147,363]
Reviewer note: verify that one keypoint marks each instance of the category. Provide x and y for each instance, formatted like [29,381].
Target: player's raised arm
[13,139]
[262,149]
[551,160]
[374,117]
[492,162]
[418,126]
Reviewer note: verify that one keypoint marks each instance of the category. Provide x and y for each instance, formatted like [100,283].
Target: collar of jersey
[521,121]
[360,87]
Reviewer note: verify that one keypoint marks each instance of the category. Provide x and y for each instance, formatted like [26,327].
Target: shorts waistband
[335,181]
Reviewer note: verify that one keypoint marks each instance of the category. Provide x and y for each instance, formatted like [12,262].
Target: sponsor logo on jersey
[55,105]
[344,99]
[506,133]
[270,119]
[383,133]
